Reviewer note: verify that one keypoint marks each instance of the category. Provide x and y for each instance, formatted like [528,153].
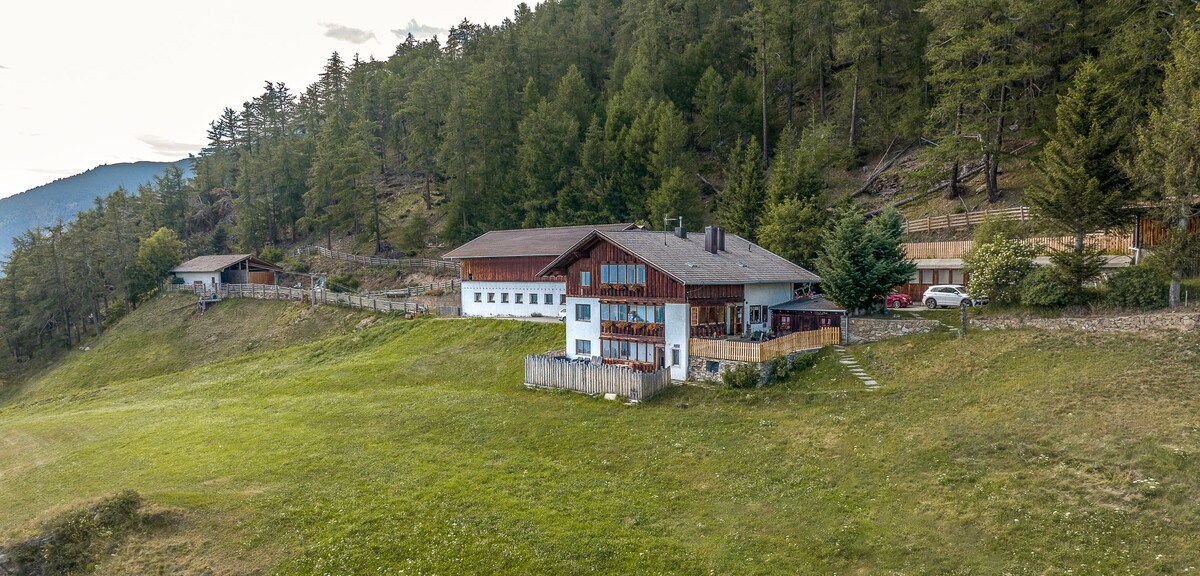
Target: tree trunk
[762,68]
[1181,228]
[854,108]
[1079,237]
[427,195]
[993,169]
[952,190]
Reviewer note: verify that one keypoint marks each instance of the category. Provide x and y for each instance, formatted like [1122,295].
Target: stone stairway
[852,365]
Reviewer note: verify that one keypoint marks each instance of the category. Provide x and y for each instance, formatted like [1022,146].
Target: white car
[562,315]
[952,295]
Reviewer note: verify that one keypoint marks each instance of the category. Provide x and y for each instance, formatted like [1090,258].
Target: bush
[1042,288]
[342,283]
[743,376]
[998,268]
[1140,287]
[271,254]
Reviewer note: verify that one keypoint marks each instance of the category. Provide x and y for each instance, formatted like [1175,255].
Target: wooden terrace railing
[1108,243]
[763,351]
[964,220]
[438,266]
[556,372]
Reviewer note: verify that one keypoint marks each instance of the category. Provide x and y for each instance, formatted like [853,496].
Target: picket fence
[555,372]
[1106,243]
[737,351]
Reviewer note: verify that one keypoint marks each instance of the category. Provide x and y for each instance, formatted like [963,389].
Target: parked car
[952,295]
[562,315]
[898,300]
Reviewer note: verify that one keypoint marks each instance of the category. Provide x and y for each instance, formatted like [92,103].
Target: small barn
[806,313]
[206,273]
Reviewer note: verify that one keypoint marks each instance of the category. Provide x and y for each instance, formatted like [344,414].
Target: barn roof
[527,242]
[686,260]
[218,262]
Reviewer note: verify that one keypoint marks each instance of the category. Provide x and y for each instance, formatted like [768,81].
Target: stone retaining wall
[1135,323]
[876,329]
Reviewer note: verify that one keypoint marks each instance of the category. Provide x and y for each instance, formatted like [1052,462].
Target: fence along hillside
[436,266]
[965,220]
[272,292]
[1107,243]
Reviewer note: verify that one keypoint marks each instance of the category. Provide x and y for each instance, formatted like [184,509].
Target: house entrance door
[660,357]
[735,319]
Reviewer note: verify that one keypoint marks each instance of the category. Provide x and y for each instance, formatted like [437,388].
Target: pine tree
[679,195]
[860,262]
[1084,189]
[792,228]
[740,203]
[1168,160]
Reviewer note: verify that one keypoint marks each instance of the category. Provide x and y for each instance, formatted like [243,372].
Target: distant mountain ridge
[66,197]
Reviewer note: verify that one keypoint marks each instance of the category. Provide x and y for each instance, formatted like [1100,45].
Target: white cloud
[348,34]
[419,31]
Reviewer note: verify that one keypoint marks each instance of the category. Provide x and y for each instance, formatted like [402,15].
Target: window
[927,276]
[562,299]
[519,298]
[491,297]
[549,300]
[533,298]
[479,296]
[756,314]
[623,273]
[583,312]
[626,350]
[583,347]
[674,356]
[585,278]
[504,297]
[638,314]
[956,276]
[713,367]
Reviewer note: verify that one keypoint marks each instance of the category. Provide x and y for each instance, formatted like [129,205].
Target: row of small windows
[626,350]
[622,274]
[519,298]
[637,314]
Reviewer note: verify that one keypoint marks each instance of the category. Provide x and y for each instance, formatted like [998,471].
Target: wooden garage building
[209,272]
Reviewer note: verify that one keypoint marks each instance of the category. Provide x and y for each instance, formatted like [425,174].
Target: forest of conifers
[583,111]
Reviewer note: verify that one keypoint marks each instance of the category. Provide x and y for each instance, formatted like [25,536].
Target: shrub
[804,361]
[743,376]
[1042,288]
[271,254]
[1141,287]
[342,283]
[998,268]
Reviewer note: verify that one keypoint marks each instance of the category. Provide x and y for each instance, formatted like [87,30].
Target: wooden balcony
[745,351]
[617,328]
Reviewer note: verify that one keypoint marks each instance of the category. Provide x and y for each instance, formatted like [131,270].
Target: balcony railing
[740,351]
[619,328]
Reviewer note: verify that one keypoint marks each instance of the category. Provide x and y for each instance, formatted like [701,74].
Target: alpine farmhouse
[500,270]
[696,305]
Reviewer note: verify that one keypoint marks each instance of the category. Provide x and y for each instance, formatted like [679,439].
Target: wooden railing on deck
[763,351]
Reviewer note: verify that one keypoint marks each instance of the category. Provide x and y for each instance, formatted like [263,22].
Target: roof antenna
[667,226]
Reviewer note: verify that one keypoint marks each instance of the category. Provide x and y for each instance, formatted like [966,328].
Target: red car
[898,300]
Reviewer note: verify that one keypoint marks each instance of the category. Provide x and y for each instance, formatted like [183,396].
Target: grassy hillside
[411,448]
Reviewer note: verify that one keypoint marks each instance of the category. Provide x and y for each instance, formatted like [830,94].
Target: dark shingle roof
[686,260]
[528,242]
[814,303]
[218,262]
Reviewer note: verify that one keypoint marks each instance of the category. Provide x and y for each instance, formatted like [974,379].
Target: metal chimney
[721,239]
[710,239]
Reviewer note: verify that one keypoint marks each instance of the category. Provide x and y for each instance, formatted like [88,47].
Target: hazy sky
[86,83]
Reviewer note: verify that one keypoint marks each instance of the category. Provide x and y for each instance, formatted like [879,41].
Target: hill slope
[411,447]
[65,197]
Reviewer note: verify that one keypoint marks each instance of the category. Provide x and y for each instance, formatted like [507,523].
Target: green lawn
[410,447]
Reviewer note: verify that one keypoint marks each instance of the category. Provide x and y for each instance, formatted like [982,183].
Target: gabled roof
[218,262]
[528,242]
[686,260]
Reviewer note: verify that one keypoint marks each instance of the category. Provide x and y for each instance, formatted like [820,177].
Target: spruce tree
[741,201]
[792,228]
[1083,187]
[1168,160]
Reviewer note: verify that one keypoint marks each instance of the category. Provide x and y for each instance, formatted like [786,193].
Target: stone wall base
[702,369]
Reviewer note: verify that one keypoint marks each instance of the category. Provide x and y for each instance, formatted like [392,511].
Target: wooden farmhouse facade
[208,273]
[500,270]
[657,300]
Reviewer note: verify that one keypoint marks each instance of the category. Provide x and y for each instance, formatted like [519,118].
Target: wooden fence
[1107,243]
[719,349]
[410,291]
[269,292]
[545,371]
[964,220]
[437,266]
